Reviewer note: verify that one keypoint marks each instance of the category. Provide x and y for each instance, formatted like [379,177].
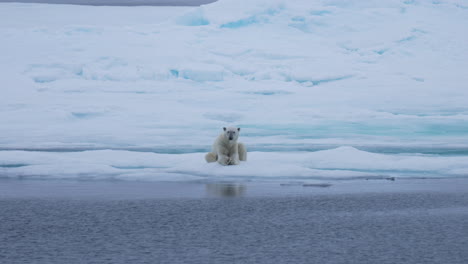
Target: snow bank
[333,164]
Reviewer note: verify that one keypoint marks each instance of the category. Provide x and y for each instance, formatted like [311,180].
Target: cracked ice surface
[386,77]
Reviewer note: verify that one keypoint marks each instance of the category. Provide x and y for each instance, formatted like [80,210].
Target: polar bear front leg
[223,159]
[234,159]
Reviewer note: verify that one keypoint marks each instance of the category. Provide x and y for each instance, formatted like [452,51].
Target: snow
[333,164]
[323,90]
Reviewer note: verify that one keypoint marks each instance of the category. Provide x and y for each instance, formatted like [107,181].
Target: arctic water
[321,91]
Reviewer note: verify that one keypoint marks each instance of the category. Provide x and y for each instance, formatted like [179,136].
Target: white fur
[227,151]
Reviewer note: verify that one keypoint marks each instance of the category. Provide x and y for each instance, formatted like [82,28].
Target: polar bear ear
[238,129]
[224,128]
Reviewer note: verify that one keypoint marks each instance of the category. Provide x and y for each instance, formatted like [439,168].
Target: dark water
[120,2]
[230,226]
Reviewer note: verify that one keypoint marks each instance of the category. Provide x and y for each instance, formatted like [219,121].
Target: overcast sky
[119,2]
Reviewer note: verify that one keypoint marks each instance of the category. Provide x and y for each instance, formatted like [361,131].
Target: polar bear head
[231,133]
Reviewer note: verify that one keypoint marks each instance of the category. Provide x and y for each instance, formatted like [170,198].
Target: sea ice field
[322,90]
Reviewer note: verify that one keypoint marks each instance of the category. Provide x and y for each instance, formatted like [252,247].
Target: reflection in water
[225,189]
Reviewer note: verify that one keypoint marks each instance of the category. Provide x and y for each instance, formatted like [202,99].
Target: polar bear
[226,150]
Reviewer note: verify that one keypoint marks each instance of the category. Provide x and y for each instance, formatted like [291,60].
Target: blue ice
[195,18]
[241,23]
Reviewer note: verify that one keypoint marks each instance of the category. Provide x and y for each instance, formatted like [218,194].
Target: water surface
[69,222]
[119,2]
